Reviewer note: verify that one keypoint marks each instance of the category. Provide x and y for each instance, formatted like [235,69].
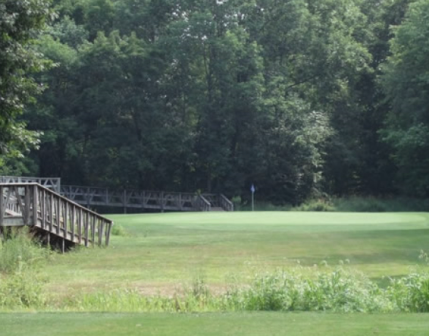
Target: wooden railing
[220,201]
[30,204]
[202,203]
[150,200]
[137,199]
[225,203]
[53,183]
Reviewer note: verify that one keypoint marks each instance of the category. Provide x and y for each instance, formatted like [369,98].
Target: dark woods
[299,97]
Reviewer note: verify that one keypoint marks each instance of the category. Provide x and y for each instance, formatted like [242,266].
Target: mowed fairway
[165,252]
[231,324]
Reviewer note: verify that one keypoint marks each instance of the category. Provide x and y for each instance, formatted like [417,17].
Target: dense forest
[300,97]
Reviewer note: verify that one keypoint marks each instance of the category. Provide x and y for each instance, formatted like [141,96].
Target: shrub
[410,293]
[373,204]
[118,230]
[315,205]
[338,291]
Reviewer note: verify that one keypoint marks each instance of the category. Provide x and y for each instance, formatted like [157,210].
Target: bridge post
[162,201]
[1,206]
[124,201]
[88,198]
[143,200]
[35,204]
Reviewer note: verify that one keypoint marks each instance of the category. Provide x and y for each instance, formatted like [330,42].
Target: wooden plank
[51,213]
[100,232]
[109,228]
[27,204]
[80,225]
[35,204]
[93,230]
[73,219]
[6,204]
[1,205]
[86,225]
[43,208]
[13,221]
[162,202]
[65,220]
[20,206]
[58,214]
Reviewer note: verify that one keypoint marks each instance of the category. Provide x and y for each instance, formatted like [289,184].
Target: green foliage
[209,96]
[338,290]
[405,80]
[215,96]
[20,284]
[328,290]
[20,252]
[411,293]
[23,289]
[316,205]
[119,230]
[20,21]
[379,204]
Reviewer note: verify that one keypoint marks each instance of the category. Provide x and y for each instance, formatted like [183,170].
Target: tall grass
[20,283]
[333,290]
[21,251]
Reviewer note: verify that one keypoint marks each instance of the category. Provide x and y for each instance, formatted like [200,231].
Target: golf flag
[252,189]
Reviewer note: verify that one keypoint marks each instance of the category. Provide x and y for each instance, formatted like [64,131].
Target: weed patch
[20,251]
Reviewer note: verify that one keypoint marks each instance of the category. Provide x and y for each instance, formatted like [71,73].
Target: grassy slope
[165,251]
[236,324]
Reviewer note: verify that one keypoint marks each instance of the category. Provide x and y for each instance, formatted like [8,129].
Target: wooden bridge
[131,199]
[60,215]
[147,200]
[53,217]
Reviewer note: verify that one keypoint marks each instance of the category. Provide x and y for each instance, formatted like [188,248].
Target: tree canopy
[20,22]
[299,97]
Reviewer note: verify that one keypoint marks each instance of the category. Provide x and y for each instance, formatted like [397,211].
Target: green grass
[236,324]
[162,253]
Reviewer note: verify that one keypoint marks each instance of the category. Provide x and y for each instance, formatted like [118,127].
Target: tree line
[298,97]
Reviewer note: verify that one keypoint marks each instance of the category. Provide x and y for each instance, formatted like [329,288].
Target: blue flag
[252,188]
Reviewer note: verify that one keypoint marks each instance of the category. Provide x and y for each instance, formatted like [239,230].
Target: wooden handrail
[41,207]
[226,203]
[50,182]
[203,204]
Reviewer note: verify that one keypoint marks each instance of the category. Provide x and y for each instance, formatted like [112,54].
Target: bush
[410,293]
[373,204]
[315,205]
[118,230]
[338,291]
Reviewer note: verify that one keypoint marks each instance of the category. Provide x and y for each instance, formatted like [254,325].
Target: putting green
[283,221]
